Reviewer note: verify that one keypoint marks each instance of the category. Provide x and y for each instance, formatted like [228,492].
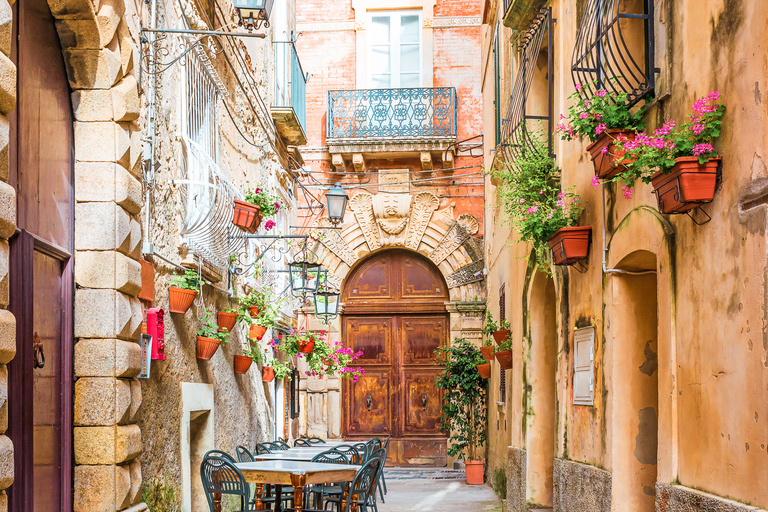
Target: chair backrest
[219,453]
[352,453]
[282,444]
[301,442]
[262,449]
[316,440]
[220,476]
[332,456]
[362,448]
[374,444]
[243,454]
[363,485]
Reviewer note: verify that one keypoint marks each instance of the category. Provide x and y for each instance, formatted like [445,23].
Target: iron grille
[519,126]
[607,53]
[418,113]
[502,317]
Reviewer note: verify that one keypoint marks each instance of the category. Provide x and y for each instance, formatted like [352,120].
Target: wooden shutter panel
[584,356]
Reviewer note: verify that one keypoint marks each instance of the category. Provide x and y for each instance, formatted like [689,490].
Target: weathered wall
[581,487]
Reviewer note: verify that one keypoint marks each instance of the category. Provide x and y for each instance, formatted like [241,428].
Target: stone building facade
[98,153]
[665,321]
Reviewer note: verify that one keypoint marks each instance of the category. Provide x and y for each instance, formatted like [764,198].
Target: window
[584,357]
[502,317]
[394,50]
[497,87]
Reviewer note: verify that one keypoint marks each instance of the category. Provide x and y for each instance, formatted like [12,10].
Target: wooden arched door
[394,311]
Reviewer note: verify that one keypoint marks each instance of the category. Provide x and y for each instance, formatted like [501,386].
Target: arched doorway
[394,311]
[41,288]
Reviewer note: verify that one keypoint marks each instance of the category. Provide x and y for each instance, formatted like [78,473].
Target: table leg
[344,495]
[278,498]
[259,496]
[217,502]
[298,482]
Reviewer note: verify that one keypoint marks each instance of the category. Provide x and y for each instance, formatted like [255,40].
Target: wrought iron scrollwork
[608,52]
[160,54]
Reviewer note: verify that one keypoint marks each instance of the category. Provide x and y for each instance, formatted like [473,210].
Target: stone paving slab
[435,490]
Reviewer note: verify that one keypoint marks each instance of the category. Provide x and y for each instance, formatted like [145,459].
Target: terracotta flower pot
[306,348]
[206,347]
[687,186]
[487,353]
[500,336]
[504,358]
[267,374]
[226,321]
[606,166]
[247,216]
[474,472]
[485,370]
[570,244]
[180,299]
[257,332]
[254,311]
[242,363]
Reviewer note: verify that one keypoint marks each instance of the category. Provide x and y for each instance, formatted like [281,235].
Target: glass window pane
[409,29]
[380,82]
[379,32]
[409,80]
[409,58]
[380,60]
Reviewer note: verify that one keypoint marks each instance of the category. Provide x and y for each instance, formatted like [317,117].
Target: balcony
[289,110]
[392,121]
[518,14]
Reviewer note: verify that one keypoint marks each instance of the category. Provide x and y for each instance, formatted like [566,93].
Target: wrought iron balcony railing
[427,113]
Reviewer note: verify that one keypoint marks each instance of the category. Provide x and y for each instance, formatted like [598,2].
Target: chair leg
[381,492]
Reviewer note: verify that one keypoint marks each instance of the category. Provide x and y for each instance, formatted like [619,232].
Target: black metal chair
[282,444]
[382,481]
[301,442]
[219,453]
[362,448]
[262,449]
[322,491]
[352,454]
[381,454]
[362,491]
[243,454]
[315,440]
[220,477]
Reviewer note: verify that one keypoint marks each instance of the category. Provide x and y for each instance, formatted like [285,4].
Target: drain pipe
[149,152]
[610,271]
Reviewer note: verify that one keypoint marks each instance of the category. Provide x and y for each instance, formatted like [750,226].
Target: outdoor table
[300,455]
[296,473]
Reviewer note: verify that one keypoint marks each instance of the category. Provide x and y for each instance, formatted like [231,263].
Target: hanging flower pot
[500,336]
[505,359]
[485,370]
[180,299]
[306,347]
[242,363]
[687,186]
[257,332]
[247,216]
[206,347]
[487,353]
[267,374]
[226,321]
[605,155]
[254,311]
[570,244]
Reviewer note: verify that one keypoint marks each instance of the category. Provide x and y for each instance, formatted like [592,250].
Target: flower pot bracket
[559,253]
[673,192]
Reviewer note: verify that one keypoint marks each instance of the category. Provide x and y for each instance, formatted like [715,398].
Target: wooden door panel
[421,336]
[420,280]
[374,387]
[422,403]
[373,280]
[371,335]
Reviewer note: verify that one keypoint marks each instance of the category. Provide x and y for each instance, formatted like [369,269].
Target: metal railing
[416,113]
[290,81]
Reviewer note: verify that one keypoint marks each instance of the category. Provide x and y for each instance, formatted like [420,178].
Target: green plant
[490,325]
[160,497]
[255,352]
[646,154]
[605,110]
[506,343]
[282,370]
[324,359]
[268,203]
[532,198]
[464,399]
[504,325]
[189,280]
[499,483]
[210,329]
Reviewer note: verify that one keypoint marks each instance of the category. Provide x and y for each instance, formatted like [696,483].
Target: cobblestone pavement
[435,490]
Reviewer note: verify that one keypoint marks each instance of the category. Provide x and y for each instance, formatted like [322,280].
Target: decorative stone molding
[362,206]
[391,211]
[454,21]
[464,227]
[335,243]
[466,274]
[421,212]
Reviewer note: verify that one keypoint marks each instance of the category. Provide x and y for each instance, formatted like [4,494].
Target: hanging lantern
[336,200]
[253,13]
[327,304]
[305,277]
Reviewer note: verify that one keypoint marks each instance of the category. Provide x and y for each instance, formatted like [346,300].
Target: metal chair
[219,453]
[321,491]
[282,444]
[301,442]
[381,454]
[352,454]
[220,476]
[262,449]
[243,454]
[315,440]
[363,486]
[382,481]
[362,448]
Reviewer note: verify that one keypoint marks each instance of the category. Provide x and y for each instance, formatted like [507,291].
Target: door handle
[38,355]
[424,401]
[368,401]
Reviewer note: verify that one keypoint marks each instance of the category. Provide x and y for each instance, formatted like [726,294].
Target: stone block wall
[580,487]
[676,498]
[7,227]
[517,459]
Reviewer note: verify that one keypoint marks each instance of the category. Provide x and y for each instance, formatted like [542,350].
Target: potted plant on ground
[680,162]
[259,203]
[464,404]
[183,290]
[602,118]
[227,319]
[209,338]
[539,210]
[504,353]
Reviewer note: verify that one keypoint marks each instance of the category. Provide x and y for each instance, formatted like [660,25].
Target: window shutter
[502,371]
[584,357]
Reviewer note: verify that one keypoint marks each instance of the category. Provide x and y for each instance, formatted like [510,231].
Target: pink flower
[269,224]
[579,87]
[601,93]
[600,128]
[595,181]
[522,200]
[604,150]
[598,116]
[583,115]
[532,209]
[700,149]
[587,103]
[627,192]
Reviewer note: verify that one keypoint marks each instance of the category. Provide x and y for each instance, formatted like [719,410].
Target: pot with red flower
[259,203]
[209,338]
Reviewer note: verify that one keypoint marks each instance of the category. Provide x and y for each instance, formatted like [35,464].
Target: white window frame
[584,366]
[394,43]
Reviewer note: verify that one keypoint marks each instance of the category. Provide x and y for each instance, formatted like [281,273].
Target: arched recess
[640,350]
[395,314]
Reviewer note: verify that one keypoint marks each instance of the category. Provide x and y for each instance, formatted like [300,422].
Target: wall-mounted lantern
[254,13]
[326,304]
[337,203]
[305,277]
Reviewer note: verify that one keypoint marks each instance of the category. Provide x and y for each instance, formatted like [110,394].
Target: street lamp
[327,304]
[337,203]
[253,12]
[305,277]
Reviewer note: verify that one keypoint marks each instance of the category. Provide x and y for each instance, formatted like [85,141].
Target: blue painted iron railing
[291,82]
[418,113]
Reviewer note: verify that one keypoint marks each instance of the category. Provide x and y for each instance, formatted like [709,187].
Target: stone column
[466,320]
[7,228]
